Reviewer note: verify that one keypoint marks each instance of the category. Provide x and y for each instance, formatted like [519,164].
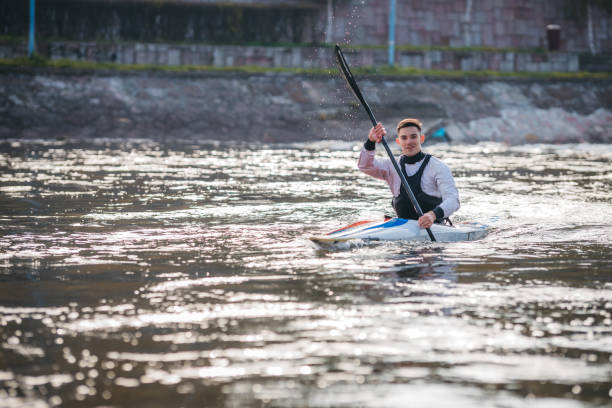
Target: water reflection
[140,273]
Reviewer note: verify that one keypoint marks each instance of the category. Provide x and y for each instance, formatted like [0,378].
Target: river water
[158,274]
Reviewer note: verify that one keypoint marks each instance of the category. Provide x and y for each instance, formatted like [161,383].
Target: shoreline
[281,106]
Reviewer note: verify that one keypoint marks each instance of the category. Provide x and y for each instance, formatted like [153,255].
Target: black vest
[402,204]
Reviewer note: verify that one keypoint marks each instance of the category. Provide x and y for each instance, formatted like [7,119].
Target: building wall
[175,33]
[164,21]
[455,23]
[481,23]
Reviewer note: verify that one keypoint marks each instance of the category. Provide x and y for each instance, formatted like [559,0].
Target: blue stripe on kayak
[389,224]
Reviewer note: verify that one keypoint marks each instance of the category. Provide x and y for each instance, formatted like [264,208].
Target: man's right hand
[377,132]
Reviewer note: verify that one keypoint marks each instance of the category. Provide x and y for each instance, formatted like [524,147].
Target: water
[148,274]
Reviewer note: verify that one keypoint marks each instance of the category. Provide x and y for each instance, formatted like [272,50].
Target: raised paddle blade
[346,71]
[350,79]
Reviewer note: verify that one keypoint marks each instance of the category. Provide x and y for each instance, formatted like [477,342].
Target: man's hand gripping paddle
[353,84]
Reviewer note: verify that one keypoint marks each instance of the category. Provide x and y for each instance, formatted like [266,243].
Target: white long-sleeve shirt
[437,178]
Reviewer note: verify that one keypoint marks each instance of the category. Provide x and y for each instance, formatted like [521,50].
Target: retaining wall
[309,57]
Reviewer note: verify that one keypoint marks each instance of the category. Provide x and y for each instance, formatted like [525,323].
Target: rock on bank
[286,107]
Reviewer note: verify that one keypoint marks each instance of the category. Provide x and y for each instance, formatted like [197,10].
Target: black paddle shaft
[353,84]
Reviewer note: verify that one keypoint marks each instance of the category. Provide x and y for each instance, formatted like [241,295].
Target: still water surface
[148,274]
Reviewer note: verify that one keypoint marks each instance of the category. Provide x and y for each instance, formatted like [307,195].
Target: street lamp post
[31,39]
[392,32]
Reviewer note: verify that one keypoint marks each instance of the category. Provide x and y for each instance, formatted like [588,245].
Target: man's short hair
[409,122]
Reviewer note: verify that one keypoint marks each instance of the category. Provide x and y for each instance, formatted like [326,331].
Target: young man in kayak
[431,180]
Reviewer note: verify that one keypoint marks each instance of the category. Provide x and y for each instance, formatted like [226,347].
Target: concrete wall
[307,57]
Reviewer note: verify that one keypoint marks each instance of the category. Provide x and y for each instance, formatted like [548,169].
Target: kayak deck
[400,229]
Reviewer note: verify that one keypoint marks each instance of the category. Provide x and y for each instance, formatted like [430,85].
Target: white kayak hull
[400,229]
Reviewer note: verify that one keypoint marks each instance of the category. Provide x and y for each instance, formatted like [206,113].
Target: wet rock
[282,107]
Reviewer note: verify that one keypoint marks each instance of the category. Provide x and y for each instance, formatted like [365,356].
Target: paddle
[353,84]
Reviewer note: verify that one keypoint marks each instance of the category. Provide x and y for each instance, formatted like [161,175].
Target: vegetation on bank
[65,65]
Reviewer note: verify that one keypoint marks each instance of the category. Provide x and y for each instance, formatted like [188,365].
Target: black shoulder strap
[422,168]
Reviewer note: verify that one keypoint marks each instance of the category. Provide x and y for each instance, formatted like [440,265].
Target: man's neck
[414,158]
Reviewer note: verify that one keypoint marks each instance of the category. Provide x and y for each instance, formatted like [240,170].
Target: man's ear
[397,140]
[422,138]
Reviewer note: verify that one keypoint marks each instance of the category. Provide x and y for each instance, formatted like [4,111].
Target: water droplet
[82,389]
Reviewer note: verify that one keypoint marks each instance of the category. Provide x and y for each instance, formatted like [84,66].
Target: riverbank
[285,105]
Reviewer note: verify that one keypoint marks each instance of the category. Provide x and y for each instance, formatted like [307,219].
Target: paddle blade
[346,71]
[343,64]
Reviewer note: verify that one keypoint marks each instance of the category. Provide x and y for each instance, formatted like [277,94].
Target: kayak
[400,229]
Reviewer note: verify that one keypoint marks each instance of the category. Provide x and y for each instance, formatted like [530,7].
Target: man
[431,180]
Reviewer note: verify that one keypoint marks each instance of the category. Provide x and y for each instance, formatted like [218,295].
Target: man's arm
[445,184]
[367,158]
[447,188]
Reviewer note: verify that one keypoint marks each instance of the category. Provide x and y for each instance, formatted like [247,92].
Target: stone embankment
[285,107]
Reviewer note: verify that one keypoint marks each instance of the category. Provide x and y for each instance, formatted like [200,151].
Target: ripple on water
[181,273]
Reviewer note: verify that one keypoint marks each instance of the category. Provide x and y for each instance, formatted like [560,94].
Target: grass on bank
[38,62]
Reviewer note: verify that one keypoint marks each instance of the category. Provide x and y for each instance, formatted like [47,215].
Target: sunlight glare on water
[169,274]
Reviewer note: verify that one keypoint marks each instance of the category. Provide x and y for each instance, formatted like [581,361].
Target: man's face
[409,138]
